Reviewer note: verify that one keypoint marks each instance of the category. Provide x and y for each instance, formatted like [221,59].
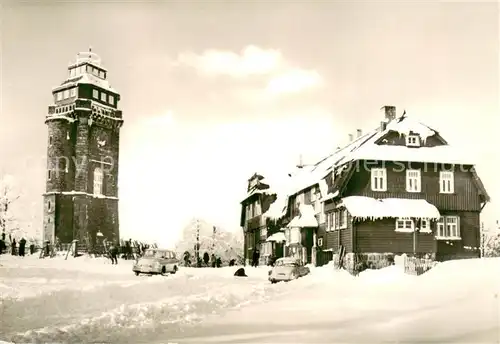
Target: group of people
[113,250]
[16,249]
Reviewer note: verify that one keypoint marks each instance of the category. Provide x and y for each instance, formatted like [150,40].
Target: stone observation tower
[84,124]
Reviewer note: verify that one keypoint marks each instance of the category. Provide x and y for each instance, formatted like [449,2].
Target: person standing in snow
[13,247]
[255,258]
[22,247]
[113,250]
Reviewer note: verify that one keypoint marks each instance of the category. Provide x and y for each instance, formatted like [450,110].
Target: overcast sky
[213,92]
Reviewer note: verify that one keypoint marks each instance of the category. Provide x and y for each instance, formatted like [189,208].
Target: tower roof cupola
[86,69]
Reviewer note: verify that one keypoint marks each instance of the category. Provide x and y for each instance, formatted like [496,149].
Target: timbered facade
[398,189]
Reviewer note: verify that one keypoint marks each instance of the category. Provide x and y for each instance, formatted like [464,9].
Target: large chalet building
[399,188]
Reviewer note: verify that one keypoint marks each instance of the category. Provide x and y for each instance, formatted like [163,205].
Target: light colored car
[287,269]
[156,261]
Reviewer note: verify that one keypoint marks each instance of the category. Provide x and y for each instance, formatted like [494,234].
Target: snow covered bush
[203,237]
[8,196]
[492,246]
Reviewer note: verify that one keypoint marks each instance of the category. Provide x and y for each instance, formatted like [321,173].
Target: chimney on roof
[300,164]
[383,125]
[389,112]
[359,133]
[351,137]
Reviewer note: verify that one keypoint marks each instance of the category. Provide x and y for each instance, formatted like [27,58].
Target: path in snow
[81,301]
[47,302]
[442,307]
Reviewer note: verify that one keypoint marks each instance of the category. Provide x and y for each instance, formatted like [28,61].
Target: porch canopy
[306,218]
[368,208]
[277,237]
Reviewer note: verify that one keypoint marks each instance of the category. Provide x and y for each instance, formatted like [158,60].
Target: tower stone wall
[84,131]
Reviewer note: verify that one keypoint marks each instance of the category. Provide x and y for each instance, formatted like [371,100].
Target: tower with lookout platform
[81,197]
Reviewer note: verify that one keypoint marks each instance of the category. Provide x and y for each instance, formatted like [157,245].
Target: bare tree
[7,198]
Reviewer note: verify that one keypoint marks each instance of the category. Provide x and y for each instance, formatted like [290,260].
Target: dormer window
[413,141]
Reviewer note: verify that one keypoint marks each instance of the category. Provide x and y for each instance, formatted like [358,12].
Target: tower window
[49,175]
[95,94]
[103,96]
[49,206]
[98,179]
[50,139]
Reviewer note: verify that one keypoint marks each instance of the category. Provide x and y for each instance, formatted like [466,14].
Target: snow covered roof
[366,147]
[277,209]
[306,217]
[278,237]
[371,208]
[86,78]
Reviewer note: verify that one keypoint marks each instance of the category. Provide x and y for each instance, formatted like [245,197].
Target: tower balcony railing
[83,103]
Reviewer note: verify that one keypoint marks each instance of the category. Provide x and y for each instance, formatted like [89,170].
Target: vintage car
[287,269]
[156,261]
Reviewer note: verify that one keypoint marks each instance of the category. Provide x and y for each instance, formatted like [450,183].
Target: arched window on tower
[98,179]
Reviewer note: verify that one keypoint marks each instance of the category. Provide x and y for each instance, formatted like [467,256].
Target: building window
[98,178]
[111,99]
[49,206]
[425,226]
[330,222]
[448,227]
[50,139]
[446,182]
[103,96]
[320,242]
[72,92]
[295,235]
[321,212]
[265,249]
[413,181]
[59,96]
[287,235]
[49,175]
[413,141]
[95,94]
[66,94]
[72,72]
[101,74]
[263,232]
[342,218]
[404,224]
[379,179]
[257,209]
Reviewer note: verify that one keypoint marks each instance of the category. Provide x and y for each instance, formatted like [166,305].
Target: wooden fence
[417,266]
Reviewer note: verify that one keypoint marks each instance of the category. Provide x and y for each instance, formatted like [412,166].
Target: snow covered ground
[86,300]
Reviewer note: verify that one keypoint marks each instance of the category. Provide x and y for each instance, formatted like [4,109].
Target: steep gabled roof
[368,147]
